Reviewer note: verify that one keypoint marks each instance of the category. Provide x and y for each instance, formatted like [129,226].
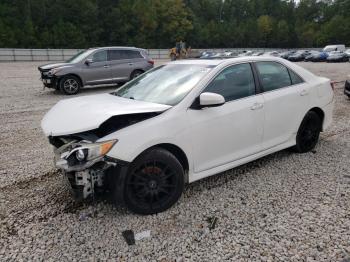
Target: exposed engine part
[85,183]
[83,178]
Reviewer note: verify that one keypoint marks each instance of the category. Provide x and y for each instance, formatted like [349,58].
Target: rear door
[123,63]
[286,99]
[97,72]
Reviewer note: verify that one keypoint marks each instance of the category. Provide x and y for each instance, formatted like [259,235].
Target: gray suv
[96,66]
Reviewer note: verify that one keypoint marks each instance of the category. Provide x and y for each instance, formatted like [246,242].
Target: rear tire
[135,74]
[70,85]
[154,183]
[308,133]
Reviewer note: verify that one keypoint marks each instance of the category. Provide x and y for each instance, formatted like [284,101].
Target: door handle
[304,92]
[131,64]
[257,106]
[106,66]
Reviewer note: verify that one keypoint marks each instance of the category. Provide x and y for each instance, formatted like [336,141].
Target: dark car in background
[311,55]
[287,54]
[347,87]
[319,57]
[96,66]
[337,56]
[299,56]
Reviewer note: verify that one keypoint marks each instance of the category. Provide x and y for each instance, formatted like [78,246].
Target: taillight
[333,85]
[151,62]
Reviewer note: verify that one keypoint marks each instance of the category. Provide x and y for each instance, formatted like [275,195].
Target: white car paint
[330,48]
[214,139]
[85,113]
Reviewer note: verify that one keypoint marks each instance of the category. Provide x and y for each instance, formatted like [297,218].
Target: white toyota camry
[184,121]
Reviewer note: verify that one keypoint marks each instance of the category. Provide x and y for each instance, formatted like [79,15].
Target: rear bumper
[328,115]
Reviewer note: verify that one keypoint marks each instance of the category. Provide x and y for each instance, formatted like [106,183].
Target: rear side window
[273,75]
[295,78]
[134,54]
[124,54]
[233,83]
[100,56]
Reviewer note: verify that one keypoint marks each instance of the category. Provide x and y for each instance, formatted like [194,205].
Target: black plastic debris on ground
[212,222]
[129,237]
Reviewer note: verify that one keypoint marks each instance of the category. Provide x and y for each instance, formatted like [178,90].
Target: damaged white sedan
[184,121]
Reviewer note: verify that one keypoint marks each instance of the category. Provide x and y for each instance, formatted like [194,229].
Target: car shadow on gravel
[223,178]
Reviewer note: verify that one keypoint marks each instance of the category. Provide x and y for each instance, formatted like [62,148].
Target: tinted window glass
[234,82]
[295,78]
[273,75]
[133,54]
[114,54]
[123,54]
[100,56]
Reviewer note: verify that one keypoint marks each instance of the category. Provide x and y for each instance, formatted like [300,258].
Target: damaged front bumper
[86,177]
[48,80]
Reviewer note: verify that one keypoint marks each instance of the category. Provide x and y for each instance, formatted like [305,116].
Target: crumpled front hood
[50,66]
[75,115]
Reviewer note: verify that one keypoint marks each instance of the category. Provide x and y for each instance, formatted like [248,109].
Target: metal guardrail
[14,54]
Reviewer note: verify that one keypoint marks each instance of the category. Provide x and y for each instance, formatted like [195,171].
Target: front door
[234,130]
[98,72]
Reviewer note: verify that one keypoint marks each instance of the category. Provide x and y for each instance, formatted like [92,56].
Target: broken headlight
[53,71]
[85,152]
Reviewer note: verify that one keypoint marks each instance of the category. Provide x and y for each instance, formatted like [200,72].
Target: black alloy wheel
[154,183]
[308,133]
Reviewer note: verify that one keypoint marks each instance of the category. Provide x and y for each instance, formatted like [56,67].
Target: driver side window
[234,82]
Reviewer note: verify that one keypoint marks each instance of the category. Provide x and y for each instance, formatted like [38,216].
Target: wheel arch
[177,152]
[133,71]
[319,112]
[71,74]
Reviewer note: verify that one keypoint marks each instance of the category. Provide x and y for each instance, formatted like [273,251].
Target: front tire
[70,85]
[154,183]
[308,133]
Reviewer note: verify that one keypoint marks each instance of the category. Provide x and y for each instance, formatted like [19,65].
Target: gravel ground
[284,207]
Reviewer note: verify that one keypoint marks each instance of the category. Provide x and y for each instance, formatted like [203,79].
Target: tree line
[161,23]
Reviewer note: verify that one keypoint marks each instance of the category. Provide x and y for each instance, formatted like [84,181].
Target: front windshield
[167,84]
[79,56]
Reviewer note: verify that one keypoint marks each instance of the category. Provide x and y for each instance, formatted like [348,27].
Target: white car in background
[184,121]
[331,48]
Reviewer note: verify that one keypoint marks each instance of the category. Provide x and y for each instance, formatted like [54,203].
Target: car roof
[216,62]
[117,47]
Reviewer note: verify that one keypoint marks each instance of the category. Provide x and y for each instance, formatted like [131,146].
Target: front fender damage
[102,174]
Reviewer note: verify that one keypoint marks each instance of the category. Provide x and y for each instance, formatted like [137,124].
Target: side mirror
[208,99]
[88,61]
